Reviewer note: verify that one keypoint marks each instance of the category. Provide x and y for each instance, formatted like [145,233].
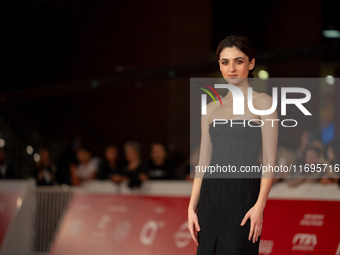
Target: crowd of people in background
[130,167]
[311,162]
[78,165]
[126,164]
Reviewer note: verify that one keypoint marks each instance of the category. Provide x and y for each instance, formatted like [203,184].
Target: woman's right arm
[204,160]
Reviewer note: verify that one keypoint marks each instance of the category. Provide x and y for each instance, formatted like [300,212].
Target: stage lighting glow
[36,157]
[331,33]
[330,80]
[263,74]
[29,150]
[2,143]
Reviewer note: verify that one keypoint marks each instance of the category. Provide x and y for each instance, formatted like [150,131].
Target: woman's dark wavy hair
[240,42]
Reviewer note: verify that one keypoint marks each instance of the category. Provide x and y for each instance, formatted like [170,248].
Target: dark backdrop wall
[108,71]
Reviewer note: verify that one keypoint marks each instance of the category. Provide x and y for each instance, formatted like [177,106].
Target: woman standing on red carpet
[225,215]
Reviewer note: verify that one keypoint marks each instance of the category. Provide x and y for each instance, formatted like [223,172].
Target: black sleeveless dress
[226,198]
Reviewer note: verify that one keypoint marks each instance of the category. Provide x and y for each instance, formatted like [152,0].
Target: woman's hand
[193,224]
[255,214]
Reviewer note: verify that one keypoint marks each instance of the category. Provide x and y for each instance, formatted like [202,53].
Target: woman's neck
[243,86]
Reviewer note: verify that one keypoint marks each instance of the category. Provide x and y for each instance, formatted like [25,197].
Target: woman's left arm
[269,148]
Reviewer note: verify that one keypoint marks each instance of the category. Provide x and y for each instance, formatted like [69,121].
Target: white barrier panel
[160,188]
[124,224]
[304,191]
[17,207]
[16,215]
[137,224]
[301,227]
[51,203]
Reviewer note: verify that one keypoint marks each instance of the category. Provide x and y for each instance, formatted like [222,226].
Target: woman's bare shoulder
[211,107]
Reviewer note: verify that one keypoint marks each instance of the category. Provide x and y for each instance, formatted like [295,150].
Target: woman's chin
[234,81]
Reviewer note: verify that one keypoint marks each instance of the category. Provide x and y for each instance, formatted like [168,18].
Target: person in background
[304,142]
[87,168]
[160,166]
[110,168]
[332,152]
[313,155]
[187,167]
[45,171]
[67,160]
[285,157]
[134,170]
[6,170]
[177,158]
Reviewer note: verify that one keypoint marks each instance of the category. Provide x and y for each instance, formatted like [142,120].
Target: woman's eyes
[227,62]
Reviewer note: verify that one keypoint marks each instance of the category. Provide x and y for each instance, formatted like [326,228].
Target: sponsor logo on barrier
[149,231]
[104,220]
[122,231]
[304,242]
[159,209]
[312,220]
[266,246]
[99,233]
[182,236]
[119,208]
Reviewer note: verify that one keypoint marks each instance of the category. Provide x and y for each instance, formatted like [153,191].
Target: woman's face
[158,153]
[111,153]
[131,153]
[311,157]
[235,65]
[83,156]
